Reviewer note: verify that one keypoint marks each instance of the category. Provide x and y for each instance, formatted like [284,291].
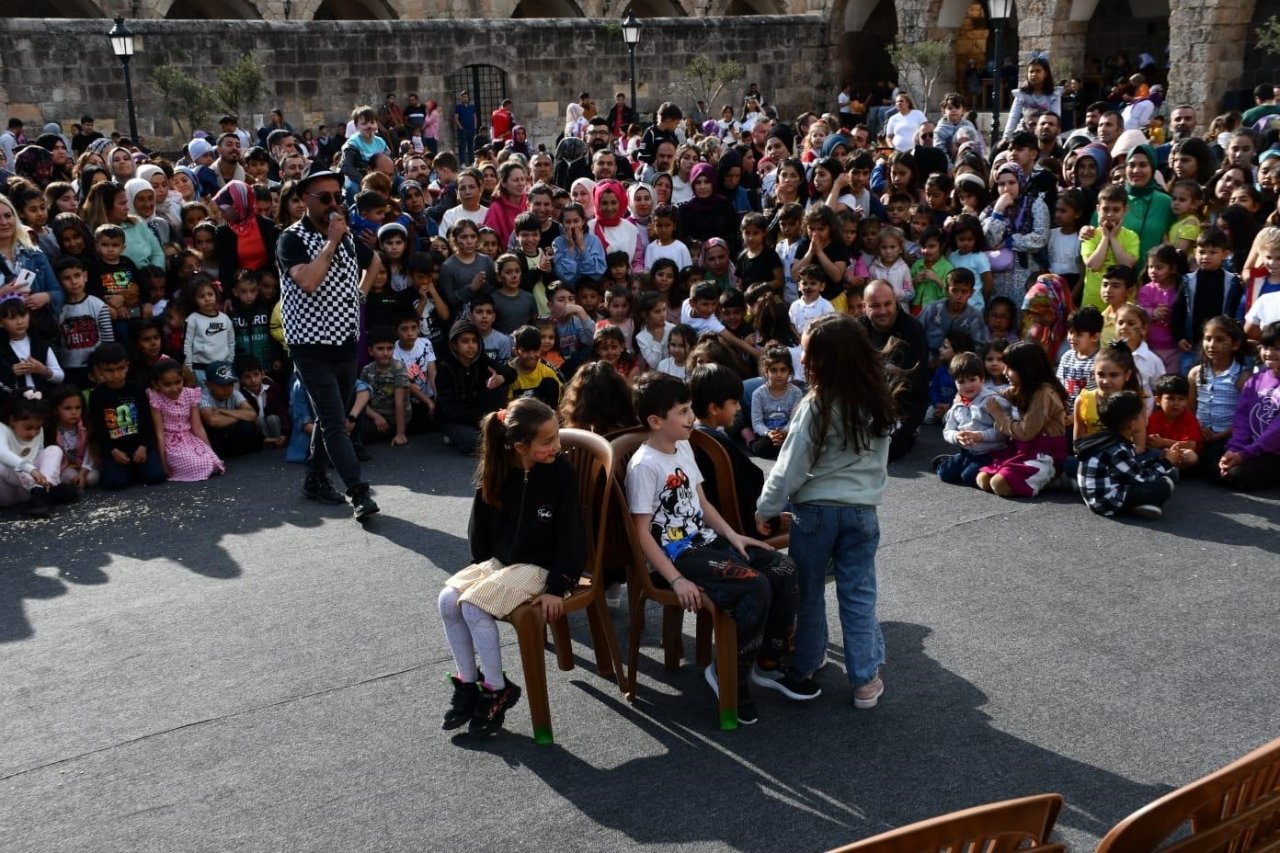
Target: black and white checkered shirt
[330,314]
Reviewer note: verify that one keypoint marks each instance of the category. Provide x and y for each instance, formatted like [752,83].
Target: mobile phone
[24,279]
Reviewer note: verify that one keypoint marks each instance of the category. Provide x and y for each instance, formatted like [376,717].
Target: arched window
[355,10]
[212,10]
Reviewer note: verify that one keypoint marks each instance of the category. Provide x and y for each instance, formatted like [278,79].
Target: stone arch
[649,8]
[738,8]
[53,9]
[355,10]
[205,10]
[1129,28]
[862,30]
[548,9]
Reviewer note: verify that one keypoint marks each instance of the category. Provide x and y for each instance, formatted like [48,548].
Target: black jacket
[9,382]
[461,392]
[539,522]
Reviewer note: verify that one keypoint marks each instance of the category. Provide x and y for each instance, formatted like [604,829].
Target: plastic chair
[993,828]
[1235,809]
[726,500]
[642,587]
[592,459]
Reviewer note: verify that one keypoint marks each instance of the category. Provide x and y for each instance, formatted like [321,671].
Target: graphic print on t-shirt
[122,421]
[677,522]
[80,332]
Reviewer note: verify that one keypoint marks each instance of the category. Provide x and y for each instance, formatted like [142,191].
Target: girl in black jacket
[527,545]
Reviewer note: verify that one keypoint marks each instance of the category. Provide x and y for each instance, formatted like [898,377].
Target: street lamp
[122,47]
[631,35]
[998,12]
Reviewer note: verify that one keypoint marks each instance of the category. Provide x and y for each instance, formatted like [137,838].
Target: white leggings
[15,488]
[470,632]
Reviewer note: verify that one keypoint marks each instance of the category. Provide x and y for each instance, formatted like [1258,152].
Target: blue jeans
[961,469]
[845,538]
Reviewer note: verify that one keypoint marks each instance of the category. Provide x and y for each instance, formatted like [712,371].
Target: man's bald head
[880,305]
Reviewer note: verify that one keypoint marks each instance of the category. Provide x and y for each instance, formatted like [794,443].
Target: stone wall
[55,70]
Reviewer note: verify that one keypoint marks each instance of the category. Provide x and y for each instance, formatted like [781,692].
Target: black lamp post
[999,11]
[631,35]
[122,47]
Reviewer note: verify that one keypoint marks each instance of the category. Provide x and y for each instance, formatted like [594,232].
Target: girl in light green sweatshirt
[830,475]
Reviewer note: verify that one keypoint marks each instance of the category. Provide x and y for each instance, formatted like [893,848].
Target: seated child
[70,432]
[773,403]
[230,421]
[1119,285]
[386,415]
[1252,460]
[303,419]
[688,544]
[85,321]
[418,356]
[533,376]
[610,347]
[267,398]
[575,330]
[527,545]
[598,399]
[184,447]
[496,344]
[942,388]
[968,424]
[1113,478]
[550,343]
[680,342]
[469,385]
[954,313]
[1075,368]
[811,305]
[1172,424]
[717,396]
[30,472]
[120,422]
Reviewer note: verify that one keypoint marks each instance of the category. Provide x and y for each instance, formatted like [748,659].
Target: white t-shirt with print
[665,486]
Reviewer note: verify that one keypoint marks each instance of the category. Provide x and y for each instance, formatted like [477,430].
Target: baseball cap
[220,373]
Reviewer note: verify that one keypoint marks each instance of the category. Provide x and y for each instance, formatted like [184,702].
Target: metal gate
[488,87]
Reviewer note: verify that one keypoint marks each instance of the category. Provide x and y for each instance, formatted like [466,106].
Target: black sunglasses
[327,198]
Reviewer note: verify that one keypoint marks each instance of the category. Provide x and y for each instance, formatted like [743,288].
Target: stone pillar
[1045,26]
[918,20]
[1206,51]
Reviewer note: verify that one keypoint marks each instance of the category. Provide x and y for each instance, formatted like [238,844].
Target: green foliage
[187,101]
[1269,36]
[242,83]
[705,78]
[921,62]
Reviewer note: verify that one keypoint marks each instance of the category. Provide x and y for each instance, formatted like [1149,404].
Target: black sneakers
[790,684]
[747,715]
[463,704]
[362,504]
[491,707]
[318,488]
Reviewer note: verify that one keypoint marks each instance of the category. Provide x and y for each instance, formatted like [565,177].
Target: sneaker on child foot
[746,705]
[613,594]
[362,503]
[491,707]
[937,461]
[713,678]
[868,695]
[791,684]
[463,704]
[1148,511]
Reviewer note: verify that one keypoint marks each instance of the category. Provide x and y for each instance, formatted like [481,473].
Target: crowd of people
[1094,309]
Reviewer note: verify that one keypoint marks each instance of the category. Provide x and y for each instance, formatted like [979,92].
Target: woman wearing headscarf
[57,146]
[575,126]
[1089,173]
[142,204]
[120,165]
[1150,209]
[641,200]
[168,203]
[244,240]
[519,142]
[708,214]
[729,174]
[611,226]
[1016,224]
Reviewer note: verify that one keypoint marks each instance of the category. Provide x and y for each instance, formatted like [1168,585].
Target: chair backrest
[726,497]
[993,828]
[1233,809]
[592,459]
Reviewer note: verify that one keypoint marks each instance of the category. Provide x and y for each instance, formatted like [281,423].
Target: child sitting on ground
[230,421]
[386,415]
[773,403]
[533,376]
[527,546]
[968,424]
[183,445]
[469,386]
[689,545]
[30,472]
[942,388]
[267,398]
[120,422]
[1252,460]
[1173,425]
[1075,367]
[1113,478]
[419,360]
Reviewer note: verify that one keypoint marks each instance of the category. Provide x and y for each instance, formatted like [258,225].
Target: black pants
[1156,494]
[328,375]
[239,438]
[1258,472]
[764,447]
[760,593]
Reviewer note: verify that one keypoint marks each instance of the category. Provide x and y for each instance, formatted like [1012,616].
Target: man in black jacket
[902,337]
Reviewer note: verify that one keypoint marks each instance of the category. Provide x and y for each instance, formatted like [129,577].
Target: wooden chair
[727,492]
[643,588]
[993,828]
[1234,809]
[592,458]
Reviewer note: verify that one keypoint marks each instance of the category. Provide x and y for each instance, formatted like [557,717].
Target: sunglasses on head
[327,198]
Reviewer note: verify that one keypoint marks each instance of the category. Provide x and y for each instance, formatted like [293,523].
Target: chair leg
[702,637]
[727,669]
[605,640]
[564,643]
[633,646]
[672,635]
[530,630]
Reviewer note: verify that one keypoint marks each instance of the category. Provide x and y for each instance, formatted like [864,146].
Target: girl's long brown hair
[500,432]
[848,379]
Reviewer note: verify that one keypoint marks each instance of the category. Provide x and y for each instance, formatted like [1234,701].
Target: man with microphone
[320,272]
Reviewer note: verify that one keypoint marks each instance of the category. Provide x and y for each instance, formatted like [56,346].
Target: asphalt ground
[225,666]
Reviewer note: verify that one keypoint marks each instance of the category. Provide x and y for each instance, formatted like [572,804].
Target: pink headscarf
[237,196]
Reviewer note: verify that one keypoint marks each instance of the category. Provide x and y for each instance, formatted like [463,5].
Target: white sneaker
[613,594]
[713,678]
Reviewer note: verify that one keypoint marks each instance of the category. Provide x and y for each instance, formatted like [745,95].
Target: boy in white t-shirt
[419,360]
[811,305]
[691,547]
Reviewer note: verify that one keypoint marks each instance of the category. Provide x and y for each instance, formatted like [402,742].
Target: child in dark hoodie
[469,385]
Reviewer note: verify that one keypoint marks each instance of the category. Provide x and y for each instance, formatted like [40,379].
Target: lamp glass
[1000,9]
[121,39]
[631,30]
